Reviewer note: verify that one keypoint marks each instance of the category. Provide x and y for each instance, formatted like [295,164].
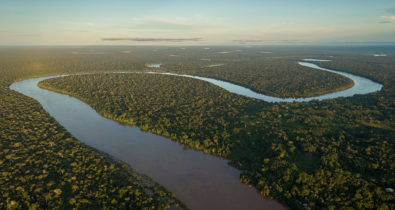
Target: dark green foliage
[277,77]
[43,167]
[334,154]
[194,113]
[325,154]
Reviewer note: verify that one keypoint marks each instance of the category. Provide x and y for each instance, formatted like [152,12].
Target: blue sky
[203,22]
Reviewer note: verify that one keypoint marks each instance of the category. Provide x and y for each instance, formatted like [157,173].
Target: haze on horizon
[203,22]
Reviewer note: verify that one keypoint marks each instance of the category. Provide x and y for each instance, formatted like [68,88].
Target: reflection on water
[214,65]
[155,65]
[380,55]
[201,181]
[313,59]
[361,86]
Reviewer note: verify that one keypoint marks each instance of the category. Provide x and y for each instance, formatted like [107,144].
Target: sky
[203,22]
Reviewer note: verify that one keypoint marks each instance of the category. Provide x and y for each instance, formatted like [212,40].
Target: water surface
[362,85]
[379,55]
[155,65]
[313,59]
[201,181]
[214,65]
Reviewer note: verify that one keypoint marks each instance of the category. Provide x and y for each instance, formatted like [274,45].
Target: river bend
[199,180]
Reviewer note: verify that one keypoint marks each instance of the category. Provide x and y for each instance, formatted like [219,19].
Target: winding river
[361,86]
[199,180]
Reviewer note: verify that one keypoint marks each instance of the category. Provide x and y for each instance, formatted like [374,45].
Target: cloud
[387,19]
[391,18]
[384,21]
[18,33]
[391,11]
[173,23]
[163,23]
[153,39]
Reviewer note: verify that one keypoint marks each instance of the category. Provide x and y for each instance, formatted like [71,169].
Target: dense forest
[323,154]
[43,167]
[277,77]
[332,153]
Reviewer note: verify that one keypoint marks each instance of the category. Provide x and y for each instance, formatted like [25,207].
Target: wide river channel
[199,180]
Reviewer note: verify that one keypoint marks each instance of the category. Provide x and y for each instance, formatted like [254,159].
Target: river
[362,86]
[199,180]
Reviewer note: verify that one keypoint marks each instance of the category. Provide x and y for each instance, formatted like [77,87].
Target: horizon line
[180,44]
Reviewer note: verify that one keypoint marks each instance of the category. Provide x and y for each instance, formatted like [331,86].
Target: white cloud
[392,18]
[193,23]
